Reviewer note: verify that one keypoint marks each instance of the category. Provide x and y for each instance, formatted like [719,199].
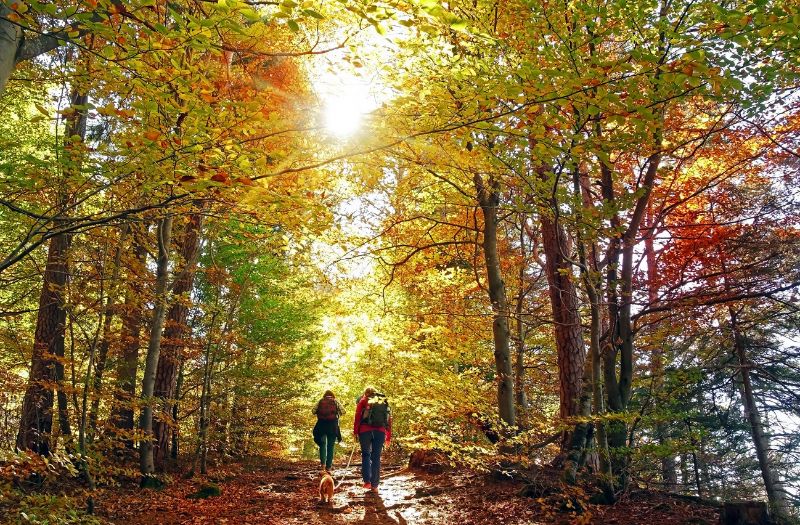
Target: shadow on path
[376,513]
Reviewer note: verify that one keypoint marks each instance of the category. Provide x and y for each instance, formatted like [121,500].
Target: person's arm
[316,408]
[340,408]
[389,430]
[357,421]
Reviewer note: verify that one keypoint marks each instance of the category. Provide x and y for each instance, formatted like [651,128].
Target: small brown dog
[326,487]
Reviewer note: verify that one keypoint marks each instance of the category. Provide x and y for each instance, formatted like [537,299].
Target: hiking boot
[367,486]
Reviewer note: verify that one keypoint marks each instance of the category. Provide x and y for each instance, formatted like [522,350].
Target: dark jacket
[327,427]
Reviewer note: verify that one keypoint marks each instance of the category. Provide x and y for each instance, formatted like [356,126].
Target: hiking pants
[371,447]
[326,443]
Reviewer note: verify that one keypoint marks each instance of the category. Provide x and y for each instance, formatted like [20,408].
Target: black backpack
[327,409]
[377,412]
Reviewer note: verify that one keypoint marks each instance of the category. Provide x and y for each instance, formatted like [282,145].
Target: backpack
[327,409]
[376,413]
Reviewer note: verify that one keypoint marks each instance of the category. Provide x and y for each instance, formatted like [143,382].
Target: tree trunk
[37,418]
[521,333]
[47,367]
[10,40]
[669,476]
[164,233]
[488,199]
[105,338]
[566,319]
[760,440]
[122,416]
[179,384]
[175,335]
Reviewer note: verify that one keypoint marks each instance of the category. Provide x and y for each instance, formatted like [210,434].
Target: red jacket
[359,427]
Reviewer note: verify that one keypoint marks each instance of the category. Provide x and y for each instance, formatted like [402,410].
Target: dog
[326,487]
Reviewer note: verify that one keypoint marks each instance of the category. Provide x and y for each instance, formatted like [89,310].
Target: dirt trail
[285,493]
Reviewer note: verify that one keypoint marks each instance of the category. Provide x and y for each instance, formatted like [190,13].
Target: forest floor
[283,492]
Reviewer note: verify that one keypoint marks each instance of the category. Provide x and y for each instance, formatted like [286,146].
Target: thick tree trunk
[175,338]
[36,422]
[488,199]
[10,40]
[15,47]
[164,233]
[566,319]
[122,415]
[760,441]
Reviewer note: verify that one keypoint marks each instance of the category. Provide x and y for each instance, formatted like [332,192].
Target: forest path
[281,492]
[287,493]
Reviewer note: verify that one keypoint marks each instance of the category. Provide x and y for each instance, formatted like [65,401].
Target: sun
[346,97]
[344,111]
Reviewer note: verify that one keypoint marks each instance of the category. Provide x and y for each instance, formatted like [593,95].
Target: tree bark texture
[10,40]
[566,318]
[36,422]
[175,337]
[46,372]
[489,199]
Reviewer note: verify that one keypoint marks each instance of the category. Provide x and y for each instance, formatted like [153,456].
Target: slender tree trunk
[175,335]
[122,415]
[489,199]
[175,432]
[619,283]
[760,440]
[202,423]
[519,369]
[164,233]
[669,475]
[105,338]
[521,333]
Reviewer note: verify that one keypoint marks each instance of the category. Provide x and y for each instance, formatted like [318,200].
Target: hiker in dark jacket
[372,431]
[326,431]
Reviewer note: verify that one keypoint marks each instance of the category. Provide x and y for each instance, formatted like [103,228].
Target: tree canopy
[552,233]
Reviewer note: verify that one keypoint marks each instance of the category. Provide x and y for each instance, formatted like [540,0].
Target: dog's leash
[348,466]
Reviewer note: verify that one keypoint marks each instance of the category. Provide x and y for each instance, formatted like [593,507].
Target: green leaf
[313,14]
[459,25]
[293,25]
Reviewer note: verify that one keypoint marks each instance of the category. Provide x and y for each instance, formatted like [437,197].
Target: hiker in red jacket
[372,428]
